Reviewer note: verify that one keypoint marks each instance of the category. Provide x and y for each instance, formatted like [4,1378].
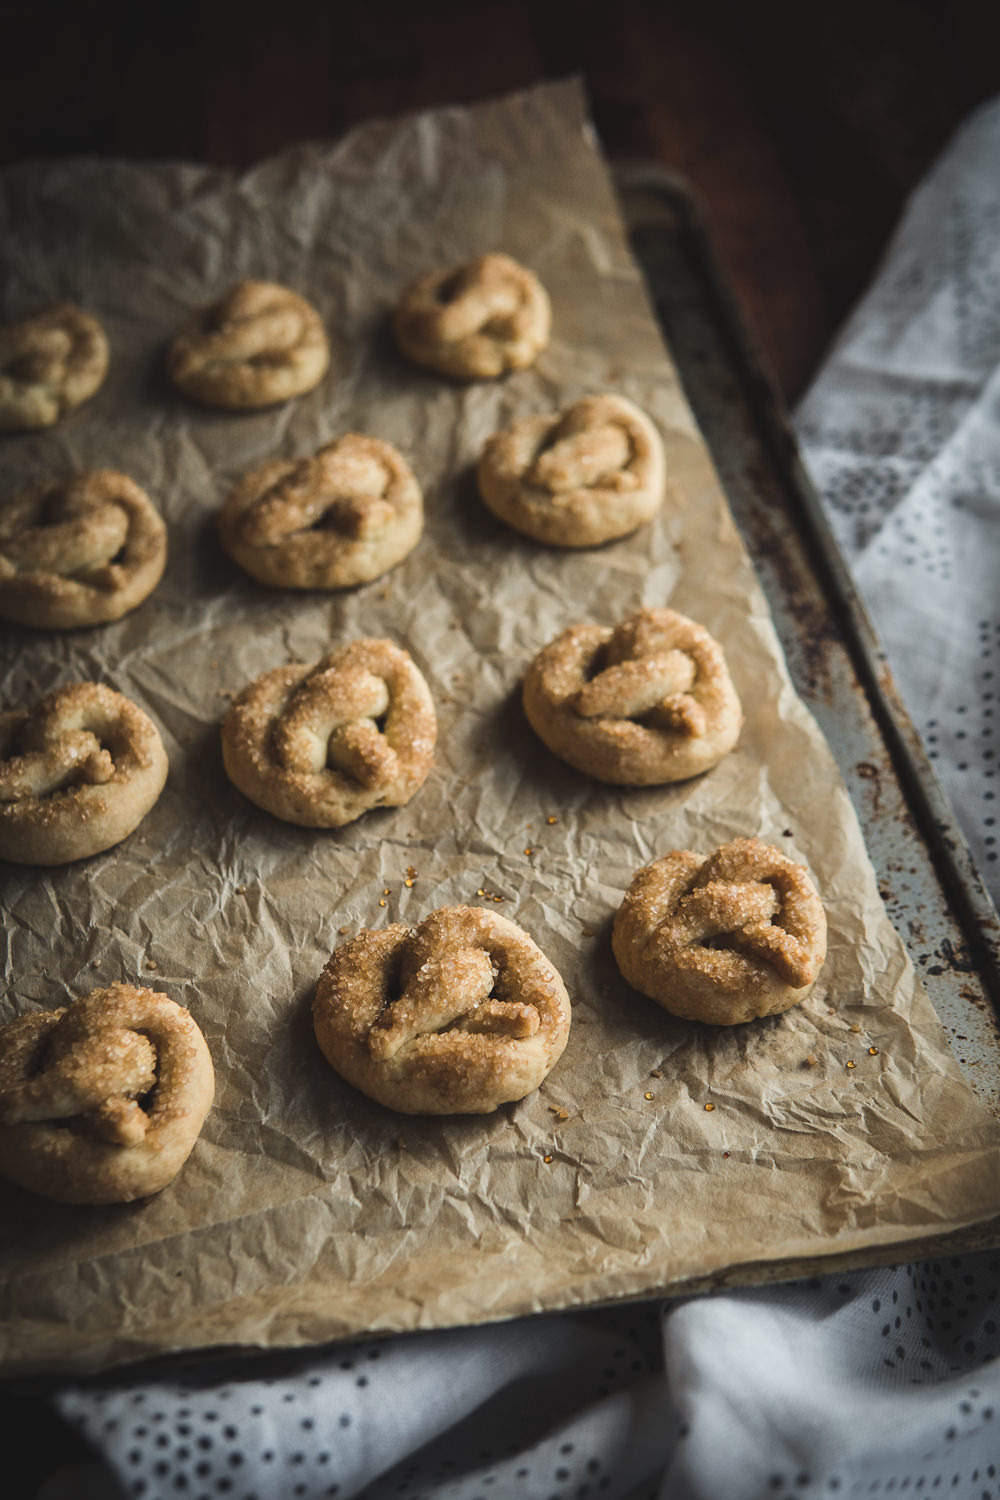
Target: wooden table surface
[802,127]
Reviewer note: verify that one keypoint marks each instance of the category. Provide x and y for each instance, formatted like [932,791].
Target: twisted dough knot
[259,344]
[331,521]
[646,703]
[80,552]
[575,478]
[50,362]
[456,1016]
[723,939]
[78,772]
[102,1102]
[319,745]
[476,320]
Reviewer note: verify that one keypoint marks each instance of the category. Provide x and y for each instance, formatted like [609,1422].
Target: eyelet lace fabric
[872,1384]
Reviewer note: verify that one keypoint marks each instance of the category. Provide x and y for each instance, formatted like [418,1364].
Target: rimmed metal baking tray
[930,887]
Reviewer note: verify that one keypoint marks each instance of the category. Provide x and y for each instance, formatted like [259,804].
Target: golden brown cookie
[575,478]
[321,744]
[343,517]
[102,1101]
[261,343]
[78,772]
[50,363]
[476,320]
[723,939]
[456,1016]
[646,703]
[80,551]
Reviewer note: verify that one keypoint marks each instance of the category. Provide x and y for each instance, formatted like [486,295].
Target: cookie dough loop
[320,744]
[646,703]
[78,772]
[578,477]
[340,518]
[103,1100]
[50,363]
[259,344]
[475,321]
[725,938]
[80,551]
[456,1016]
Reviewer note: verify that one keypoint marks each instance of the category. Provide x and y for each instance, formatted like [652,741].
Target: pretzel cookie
[259,344]
[476,320]
[723,939]
[80,551]
[78,772]
[578,477]
[102,1101]
[319,745]
[50,362]
[646,703]
[328,522]
[456,1016]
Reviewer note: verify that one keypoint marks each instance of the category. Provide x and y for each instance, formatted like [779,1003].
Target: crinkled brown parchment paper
[307,1211]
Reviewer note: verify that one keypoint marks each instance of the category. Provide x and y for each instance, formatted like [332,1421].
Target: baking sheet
[308,1212]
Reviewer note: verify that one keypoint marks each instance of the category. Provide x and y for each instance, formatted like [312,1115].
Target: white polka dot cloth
[873,1384]
[861,1385]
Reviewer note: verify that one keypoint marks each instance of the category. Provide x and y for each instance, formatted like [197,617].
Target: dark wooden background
[802,126]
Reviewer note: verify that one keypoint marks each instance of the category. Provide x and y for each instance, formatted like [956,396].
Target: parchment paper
[306,1211]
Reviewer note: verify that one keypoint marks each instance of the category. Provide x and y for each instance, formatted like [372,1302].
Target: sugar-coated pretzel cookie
[342,517]
[78,772]
[646,703]
[259,344]
[50,363]
[456,1016]
[476,320]
[321,744]
[725,938]
[80,551]
[103,1100]
[578,477]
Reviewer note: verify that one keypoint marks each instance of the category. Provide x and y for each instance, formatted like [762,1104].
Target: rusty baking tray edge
[942,910]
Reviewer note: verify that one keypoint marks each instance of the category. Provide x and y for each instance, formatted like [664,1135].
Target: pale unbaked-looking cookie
[342,517]
[646,703]
[78,772]
[475,321]
[79,551]
[50,363]
[102,1101]
[319,745]
[575,478]
[261,343]
[725,938]
[456,1016]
